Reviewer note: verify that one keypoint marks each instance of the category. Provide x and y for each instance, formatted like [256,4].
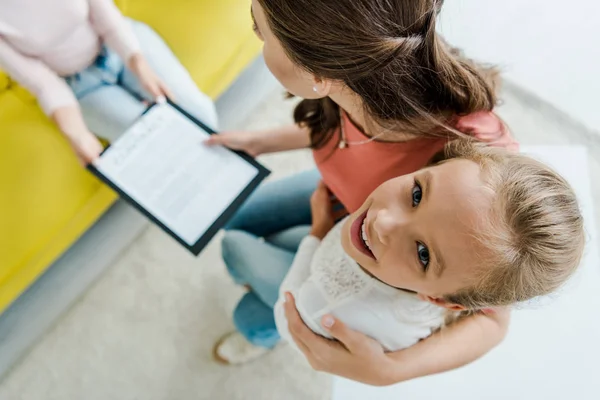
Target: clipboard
[205,235]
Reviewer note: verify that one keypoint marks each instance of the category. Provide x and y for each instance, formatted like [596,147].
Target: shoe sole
[217,357]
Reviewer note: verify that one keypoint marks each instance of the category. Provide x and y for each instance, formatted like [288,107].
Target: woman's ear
[322,87]
[442,303]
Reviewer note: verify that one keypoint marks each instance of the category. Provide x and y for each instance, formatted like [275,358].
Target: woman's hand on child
[246,141]
[148,78]
[325,210]
[351,355]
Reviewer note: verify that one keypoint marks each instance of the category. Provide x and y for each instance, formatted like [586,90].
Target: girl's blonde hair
[535,234]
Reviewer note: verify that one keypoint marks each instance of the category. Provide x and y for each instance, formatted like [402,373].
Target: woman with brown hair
[382,94]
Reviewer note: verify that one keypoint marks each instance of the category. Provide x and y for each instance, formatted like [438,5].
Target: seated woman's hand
[352,355]
[250,142]
[325,210]
[86,145]
[148,78]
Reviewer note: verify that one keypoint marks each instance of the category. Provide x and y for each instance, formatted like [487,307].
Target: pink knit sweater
[42,40]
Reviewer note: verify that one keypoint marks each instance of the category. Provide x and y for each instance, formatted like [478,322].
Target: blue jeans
[259,246]
[110,95]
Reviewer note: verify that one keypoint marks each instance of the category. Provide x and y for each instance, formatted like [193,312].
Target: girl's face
[296,81]
[415,232]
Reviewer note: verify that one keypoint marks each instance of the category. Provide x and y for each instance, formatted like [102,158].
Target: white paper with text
[163,165]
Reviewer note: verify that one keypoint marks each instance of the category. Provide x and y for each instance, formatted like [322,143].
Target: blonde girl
[480,228]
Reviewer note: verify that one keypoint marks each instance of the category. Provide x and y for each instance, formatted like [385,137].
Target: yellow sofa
[47,201]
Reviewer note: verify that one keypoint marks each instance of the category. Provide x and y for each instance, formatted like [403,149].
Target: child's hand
[324,216]
[149,80]
[249,142]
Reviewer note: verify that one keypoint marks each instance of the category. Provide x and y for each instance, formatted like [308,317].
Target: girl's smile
[414,232]
[359,235]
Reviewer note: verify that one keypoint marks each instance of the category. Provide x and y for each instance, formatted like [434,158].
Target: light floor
[146,329]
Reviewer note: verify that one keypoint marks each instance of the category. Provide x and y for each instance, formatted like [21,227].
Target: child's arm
[300,269]
[290,137]
[357,357]
[296,276]
[323,220]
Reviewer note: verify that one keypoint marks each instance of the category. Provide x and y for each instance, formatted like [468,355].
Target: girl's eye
[423,254]
[417,194]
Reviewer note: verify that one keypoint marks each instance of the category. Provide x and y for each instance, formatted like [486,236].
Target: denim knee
[235,247]
[256,321]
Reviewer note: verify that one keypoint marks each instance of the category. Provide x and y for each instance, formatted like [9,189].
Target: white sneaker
[233,348]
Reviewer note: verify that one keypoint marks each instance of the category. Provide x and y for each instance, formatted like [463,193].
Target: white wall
[549,47]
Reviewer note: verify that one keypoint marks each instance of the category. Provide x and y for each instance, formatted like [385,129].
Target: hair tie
[404,43]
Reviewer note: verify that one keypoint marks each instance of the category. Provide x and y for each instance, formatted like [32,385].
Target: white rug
[146,329]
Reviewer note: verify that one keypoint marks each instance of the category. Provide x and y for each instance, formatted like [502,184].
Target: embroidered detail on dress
[416,311]
[332,271]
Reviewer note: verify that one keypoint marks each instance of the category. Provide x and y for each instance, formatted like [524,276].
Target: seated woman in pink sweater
[90,68]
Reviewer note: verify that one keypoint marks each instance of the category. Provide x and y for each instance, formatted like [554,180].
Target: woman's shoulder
[488,127]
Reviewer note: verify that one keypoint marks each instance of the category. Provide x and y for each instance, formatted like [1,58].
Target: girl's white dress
[325,280]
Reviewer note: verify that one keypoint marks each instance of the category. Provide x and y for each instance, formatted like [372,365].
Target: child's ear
[442,303]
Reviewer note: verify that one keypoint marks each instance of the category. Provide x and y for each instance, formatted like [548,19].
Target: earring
[315,89]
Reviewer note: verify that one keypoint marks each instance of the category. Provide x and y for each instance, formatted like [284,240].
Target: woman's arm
[357,357]
[50,90]
[55,98]
[290,137]
[70,121]
[112,27]
[293,281]
[455,346]
[116,32]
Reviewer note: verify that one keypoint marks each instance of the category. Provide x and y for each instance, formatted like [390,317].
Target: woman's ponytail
[389,54]
[468,87]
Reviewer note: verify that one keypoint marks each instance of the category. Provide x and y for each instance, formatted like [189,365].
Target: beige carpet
[146,329]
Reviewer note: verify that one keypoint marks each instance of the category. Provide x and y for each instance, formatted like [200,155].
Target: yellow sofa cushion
[212,38]
[4,81]
[47,201]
